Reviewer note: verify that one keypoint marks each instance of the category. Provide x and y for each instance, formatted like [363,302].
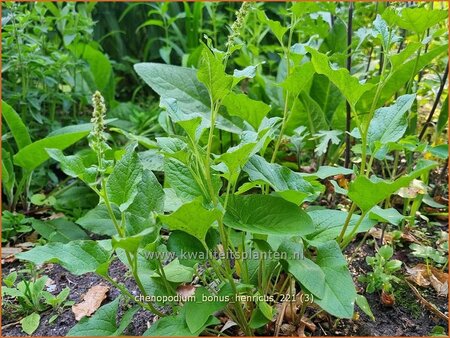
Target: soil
[78,285]
[405,318]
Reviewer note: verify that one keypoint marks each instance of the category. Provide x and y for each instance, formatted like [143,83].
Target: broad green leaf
[246,73]
[149,200]
[440,151]
[178,83]
[101,69]
[362,303]
[289,184]
[182,243]
[389,215]
[198,311]
[176,326]
[121,186]
[59,230]
[389,123]
[309,274]
[443,116]
[78,257]
[340,294]
[73,165]
[420,19]
[306,112]
[329,223]
[174,148]
[349,86]
[382,189]
[275,26]
[181,180]
[30,323]
[328,97]
[336,39]
[265,214]
[182,219]
[325,137]
[398,59]
[211,73]
[8,174]
[103,322]
[399,77]
[131,243]
[177,273]
[381,27]
[327,171]
[298,79]
[16,126]
[34,154]
[247,109]
[98,221]
[193,123]
[258,319]
[265,309]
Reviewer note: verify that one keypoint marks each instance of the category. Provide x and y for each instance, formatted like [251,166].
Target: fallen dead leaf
[422,276]
[32,238]
[416,275]
[186,291]
[8,253]
[50,285]
[54,216]
[387,299]
[25,245]
[91,301]
[387,238]
[287,329]
[309,324]
[441,288]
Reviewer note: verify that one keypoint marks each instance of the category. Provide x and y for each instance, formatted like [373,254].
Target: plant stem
[435,104]
[347,105]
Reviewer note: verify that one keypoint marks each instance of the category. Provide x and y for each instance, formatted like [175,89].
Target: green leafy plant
[31,297]
[382,276]
[429,254]
[218,184]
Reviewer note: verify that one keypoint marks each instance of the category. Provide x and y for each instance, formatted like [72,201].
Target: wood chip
[91,301]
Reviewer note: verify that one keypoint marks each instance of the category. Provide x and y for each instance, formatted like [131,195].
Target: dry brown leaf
[416,274]
[301,330]
[32,238]
[376,233]
[54,216]
[440,287]
[186,291]
[387,299]
[422,276]
[91,301]
[287,329]
[25,245]
[309,324]
[9,252]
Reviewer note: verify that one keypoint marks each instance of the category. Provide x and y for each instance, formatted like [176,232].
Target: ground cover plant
[252,169]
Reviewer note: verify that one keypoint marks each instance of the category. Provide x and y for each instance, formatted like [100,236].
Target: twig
[426,303]
[280,318]
[10,324]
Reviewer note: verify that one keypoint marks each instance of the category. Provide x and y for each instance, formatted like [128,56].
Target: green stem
[123,290]
[349,238]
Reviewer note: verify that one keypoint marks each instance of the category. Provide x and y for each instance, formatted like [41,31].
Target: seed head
[237,25]
[97,137]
